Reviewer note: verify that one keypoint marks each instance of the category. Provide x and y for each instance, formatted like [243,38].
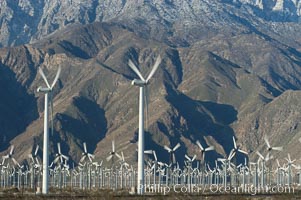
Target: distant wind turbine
[172,151]
[204,150]
[86,155]
[269,147]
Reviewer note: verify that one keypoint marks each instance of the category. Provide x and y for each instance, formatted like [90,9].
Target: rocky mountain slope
[230,68]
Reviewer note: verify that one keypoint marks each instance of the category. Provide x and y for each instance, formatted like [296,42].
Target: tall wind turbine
[47,90]
[142,84]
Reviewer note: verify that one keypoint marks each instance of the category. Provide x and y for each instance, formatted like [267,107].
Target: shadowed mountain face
[224,72]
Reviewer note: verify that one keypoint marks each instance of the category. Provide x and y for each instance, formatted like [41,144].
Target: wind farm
[261,174]
[170,99]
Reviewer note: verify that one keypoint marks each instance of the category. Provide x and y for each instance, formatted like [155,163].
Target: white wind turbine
[9,156]
[59,156]
[87,155]
[269,147]
[113,153]
[236,149]
[142,84]
[172,151]
[203,150]
[47,90]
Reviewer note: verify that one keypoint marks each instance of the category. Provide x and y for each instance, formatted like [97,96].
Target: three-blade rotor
[142,82]
[49,89]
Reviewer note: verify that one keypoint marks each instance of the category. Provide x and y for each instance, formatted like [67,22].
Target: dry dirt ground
[12,193]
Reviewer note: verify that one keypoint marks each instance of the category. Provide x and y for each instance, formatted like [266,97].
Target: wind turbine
[263,161]
[142,84]
[34,159]
[113,153]
[269,147]
[33,156]
[9,156]
[85,154]
[203,150]
[172,151]
[59,155]
[190,160]
[236,149]
[47,90]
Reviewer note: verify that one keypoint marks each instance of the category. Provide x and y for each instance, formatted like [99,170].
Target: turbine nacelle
[44,90]
[139,83]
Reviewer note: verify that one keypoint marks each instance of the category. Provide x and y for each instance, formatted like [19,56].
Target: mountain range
[229,68]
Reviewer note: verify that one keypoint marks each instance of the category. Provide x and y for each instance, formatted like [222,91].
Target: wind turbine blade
[135,69]
[36,151]
[65,157]
[37,161]
[295,166]
[109,157]
[260,155]
[118,156]
[242,151]
[268,157]
[85,147]
[148,151]
[91,155]
[167,148]
[267,141]
[11,150]
[44,77]
[289,157]
[59,148]
[173,158]
[234,143]
[210,148]
[194,157]
[56,159]
[155,155]
[278,164]
[122,156]
[15,162]
[82,159]
[187,157]
[299,139]
[56,77]
[176,147]
[113,146]
[199,144]
[155,67]
[231,155]
[277,148]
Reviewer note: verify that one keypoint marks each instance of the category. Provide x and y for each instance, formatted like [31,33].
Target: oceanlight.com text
[217,189]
